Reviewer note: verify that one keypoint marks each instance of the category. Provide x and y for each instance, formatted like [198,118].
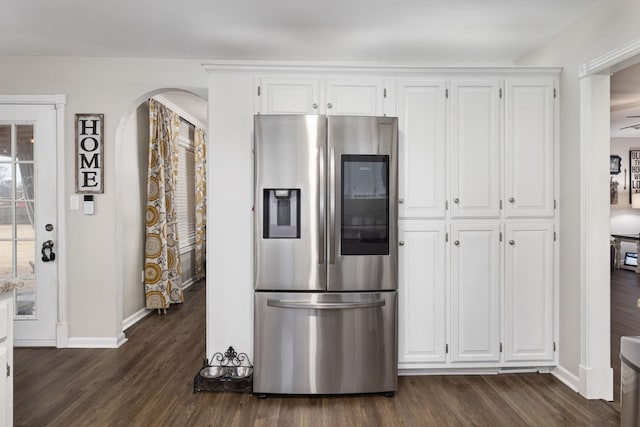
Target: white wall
[135,162]
[605,28]
[115,87]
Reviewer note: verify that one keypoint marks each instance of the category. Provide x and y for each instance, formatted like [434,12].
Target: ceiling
[469,32]
[625,101]
[426,31]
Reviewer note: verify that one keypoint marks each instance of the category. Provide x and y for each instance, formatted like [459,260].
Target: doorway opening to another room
[134,214]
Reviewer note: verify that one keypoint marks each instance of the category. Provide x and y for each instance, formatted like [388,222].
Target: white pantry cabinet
[422,145]
[475,292]
[421,295]
[529,148]
[475,148]
[361,95]
[529,292]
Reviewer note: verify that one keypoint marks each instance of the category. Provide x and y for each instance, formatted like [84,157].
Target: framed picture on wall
[614,164]
[634,172]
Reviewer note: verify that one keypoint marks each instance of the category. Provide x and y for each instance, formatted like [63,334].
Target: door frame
[596,374]
[59,102]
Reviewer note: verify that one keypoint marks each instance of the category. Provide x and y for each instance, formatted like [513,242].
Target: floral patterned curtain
[200,152]
[162,272]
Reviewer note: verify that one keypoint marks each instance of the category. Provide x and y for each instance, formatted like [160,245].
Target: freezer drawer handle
[324,306]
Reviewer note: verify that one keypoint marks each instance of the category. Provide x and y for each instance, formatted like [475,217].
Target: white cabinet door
[475,144]
[288,95]
[475,298]
[6,359]
[528,292]
[421,292]
[529,133]
[4,403]
[422,142]
[361,96]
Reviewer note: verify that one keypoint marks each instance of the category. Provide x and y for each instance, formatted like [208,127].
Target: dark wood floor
[625,317]
[149,382]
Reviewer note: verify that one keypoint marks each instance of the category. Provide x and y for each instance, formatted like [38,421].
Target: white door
[422,111]
[475,299]
[421,293]
[28,219]
[529,146]
[528,292]
[475,144]
[288,95]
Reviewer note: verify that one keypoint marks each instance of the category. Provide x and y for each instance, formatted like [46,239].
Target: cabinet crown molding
[316,67]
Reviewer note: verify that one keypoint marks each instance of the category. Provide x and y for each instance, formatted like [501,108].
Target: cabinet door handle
[512,242]
[511,200]
[401,243]
[329,105]
[456,200]
[314,105]
[457,243]
[401,201]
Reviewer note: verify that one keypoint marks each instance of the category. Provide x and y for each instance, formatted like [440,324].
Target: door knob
[512,242]
[456,200]
[314,105]
[511,200]
[47,251]
[400,201]
[329,105]
[401,243]
[457,243]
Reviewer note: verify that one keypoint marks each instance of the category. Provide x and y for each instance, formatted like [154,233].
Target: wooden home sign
[89,153]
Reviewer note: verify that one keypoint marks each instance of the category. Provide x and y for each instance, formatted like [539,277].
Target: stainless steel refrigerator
[325,254]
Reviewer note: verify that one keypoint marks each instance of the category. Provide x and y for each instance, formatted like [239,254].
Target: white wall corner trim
[567,378]
[97,342]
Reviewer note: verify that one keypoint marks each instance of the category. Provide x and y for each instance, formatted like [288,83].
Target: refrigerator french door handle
[332,206]
[321,206]
[324,306]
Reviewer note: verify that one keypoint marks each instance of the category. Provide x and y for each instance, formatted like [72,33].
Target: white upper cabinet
[288,95]
[357,96]
[421,307]
[528,292]
[475,299]
[361,96]
[475,145]
[529,134]
[422,145]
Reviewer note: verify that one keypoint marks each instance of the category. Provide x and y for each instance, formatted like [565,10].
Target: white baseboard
[96,342]
[135,318]
[144,312]
[567,378]
[34,343]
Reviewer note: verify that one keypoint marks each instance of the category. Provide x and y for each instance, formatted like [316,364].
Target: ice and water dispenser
[281,213]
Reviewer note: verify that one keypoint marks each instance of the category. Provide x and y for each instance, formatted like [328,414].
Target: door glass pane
[25,299]
[6,256]
[24,220]
[365,205]
[17,204]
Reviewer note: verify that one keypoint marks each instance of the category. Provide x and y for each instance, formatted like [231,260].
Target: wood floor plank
[149,382]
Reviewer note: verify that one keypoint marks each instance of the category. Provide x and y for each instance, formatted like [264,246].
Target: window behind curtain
[185,193]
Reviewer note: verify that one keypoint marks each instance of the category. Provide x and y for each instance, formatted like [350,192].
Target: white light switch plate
[74,203]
